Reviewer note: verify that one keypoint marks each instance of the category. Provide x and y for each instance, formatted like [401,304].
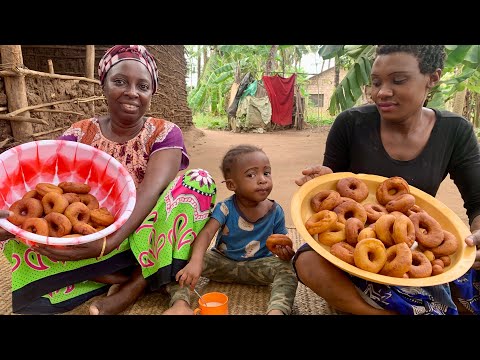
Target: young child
[244,221]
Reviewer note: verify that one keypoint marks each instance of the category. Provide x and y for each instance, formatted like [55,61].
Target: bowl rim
[461,267]
[29,238]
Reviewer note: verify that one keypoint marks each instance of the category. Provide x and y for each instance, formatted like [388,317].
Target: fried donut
[350,209]
[397,214]
[32,194]
[83,228]
[278,239]
[401,203]
[43,188]
[366,233]
[438,262]
[77,212]
[421,267]
[352,188]
[390,189]
[370,255]
[436,270]
[343,251]
[89,200]
[333,235]
[343,199]
[37,226]
[403,231]
[446,260]
[414,209]
[428,231]
[25,208]
[58,224]
[102,216]
[325,200]
[399,260]
[428,254]
[448,246]
[72,197]
[54,202]
[374,211]
[353,226]
[384,229]
[74,187]
[320,222]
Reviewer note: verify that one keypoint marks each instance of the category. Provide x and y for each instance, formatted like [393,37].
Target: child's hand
[280,245]
[189,275]
[284,252]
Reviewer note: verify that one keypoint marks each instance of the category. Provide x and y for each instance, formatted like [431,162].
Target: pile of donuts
[64,210]
[394,237]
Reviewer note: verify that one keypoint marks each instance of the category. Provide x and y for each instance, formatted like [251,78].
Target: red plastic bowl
[54,161]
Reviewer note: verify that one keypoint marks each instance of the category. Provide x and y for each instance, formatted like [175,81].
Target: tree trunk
[271,60]
[205,56]
[459,102]
[199,64]
[337,72]
[16,92]
[476,119]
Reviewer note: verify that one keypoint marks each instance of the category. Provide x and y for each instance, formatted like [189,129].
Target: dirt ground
[289,151]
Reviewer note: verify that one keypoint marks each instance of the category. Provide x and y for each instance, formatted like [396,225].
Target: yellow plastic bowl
[462,260]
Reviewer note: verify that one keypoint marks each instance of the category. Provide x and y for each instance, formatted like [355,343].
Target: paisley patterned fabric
[161,245]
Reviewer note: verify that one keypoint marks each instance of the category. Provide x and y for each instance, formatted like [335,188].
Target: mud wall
[170,101]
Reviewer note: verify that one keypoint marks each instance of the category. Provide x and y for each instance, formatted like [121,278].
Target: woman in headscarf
[154,243]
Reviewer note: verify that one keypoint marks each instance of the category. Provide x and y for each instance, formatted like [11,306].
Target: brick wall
[324,83]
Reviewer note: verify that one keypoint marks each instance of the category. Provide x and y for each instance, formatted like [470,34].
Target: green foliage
[316,118]
[204,121]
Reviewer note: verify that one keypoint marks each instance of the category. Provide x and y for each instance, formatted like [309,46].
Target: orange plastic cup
[214,303]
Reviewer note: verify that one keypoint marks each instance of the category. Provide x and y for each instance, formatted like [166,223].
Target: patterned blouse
[156,134]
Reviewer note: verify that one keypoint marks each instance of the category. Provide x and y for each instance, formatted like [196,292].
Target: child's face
[251,176]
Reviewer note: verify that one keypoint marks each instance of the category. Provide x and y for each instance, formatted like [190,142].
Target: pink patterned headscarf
[119,53]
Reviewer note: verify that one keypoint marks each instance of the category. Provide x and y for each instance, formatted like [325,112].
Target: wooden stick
[49,131]
[90,61]
[3,108]
[16,91]
[28,108]
[20,71]
[50,66]
[4,142]
[58,111]
[23,118]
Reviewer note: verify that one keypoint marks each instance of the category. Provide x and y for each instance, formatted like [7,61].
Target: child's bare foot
[275,312]
[179,307]
[120,297]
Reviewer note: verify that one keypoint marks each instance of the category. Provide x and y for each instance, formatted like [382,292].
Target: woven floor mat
[243,299]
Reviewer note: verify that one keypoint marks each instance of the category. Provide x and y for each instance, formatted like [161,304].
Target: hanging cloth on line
[280,92]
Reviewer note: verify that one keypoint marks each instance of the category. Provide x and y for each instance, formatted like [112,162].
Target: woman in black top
[399,137]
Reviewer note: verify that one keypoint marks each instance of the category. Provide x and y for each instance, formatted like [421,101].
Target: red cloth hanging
[280,92]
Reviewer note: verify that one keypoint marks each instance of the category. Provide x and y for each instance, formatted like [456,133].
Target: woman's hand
[4,234]
[284,252]
[189,275]
[474,240]
[5,214]
[71,252]
[312,172]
